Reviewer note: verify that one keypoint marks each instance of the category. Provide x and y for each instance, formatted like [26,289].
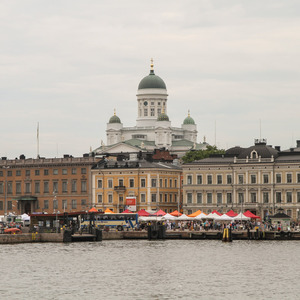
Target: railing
[120,188]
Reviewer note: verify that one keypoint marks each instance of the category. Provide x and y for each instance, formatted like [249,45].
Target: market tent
[195,214]
[176,213]
[231,213]
[127,211]
[200,216]
[143,213]
[211,216]
[150,218]
[216,212]
[184,218]
[25,217]
[249,214]
[159,213]
[93,209]
[224,217]
[108,211]
[169,217]
[241,217]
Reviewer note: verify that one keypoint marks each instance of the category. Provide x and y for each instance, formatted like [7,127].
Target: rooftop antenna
[38,140]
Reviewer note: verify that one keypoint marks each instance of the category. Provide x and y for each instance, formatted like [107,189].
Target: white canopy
[25,217]
[185,218]
[223,218]
[150,218]
[241,217]
[200,216]
[168,217]
[211,216]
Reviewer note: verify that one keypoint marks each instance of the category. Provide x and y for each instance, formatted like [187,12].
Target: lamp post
[56,212]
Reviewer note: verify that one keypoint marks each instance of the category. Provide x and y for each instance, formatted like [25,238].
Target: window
[46,204]
[229,179]
[145,112]
[27,172]
[110,198]
[266,178]
[55,204]
[83,170]
[18,188]
[219,179]
[199,179]
[175,183]
[100,200]
[209,198]
[160,197]
[253,197]
[131,183]
[189,179]
[55,186]
[278,197]
[1,188]
[9,205]
[209,179]
[298,197]
[289,212]
[9,187]
[265,197]
[170,181]
[189,197]
[64,186]
[99,183]
[143,182]
[160,182]
[153,182]
[170,197]
[37,172]
[74,171]
[83,202]
[9,173]
[55,171]
[219,198]
[121,198]
[229,198]
[83,186]
[158,111]
[46,186]
[46,172]
[289,178]
[298,177]
[278,178]
[64,205]
[241,197]
[74,185]
[199,198]
[166,182]
[143,198]
[153,197]
[166,197]
[27,187]
[175,198]
[1,205]
[152,112]
[64,171]
[289,197]
[241,179]
[18,173]
[74,203]
[109,183]
[253,179]
[37,187]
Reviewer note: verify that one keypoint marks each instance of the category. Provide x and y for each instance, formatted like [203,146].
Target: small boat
[12,230]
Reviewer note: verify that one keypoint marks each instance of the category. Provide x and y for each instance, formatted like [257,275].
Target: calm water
[151,270]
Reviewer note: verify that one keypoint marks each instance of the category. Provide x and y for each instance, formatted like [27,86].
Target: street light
[56,211]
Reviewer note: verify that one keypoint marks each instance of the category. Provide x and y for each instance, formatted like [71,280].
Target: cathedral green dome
[189,120]
[114,119]
[163,117]
[152,81]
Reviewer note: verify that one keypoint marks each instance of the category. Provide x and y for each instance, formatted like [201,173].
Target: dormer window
[254,154]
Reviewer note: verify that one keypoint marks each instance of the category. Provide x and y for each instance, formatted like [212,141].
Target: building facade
[259,178]
[153,185]
[45,185]
[153,127]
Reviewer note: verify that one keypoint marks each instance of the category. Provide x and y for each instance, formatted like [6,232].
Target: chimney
[298,143]
[277,148]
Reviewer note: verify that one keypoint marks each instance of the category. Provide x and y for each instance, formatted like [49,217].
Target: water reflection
[151,270]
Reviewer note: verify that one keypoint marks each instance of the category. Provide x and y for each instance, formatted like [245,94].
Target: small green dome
[114,119]
[189,120]
[163,117]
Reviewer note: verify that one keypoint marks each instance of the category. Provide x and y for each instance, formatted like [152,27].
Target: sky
[67,64]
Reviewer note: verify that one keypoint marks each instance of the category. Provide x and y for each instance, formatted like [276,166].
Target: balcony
[120,188]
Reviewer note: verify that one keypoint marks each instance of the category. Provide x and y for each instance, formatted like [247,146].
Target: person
[127,226]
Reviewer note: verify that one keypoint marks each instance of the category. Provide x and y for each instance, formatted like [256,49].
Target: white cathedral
[153,128]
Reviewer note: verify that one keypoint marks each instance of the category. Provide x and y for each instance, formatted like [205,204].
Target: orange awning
[108,211]
[175,213]
[195,214]
[93,209]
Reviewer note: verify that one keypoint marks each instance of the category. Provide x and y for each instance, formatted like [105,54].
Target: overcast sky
[68,64]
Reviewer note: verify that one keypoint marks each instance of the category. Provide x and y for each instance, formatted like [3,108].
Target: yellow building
[154,185]
[259,178]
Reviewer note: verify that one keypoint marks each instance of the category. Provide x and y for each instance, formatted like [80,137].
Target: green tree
[200,154]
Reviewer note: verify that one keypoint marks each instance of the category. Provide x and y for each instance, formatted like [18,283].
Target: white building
[153,127]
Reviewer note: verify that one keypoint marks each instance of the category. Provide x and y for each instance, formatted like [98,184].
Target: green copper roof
[189,120]
[152,81]
[163,117]
[114,119]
